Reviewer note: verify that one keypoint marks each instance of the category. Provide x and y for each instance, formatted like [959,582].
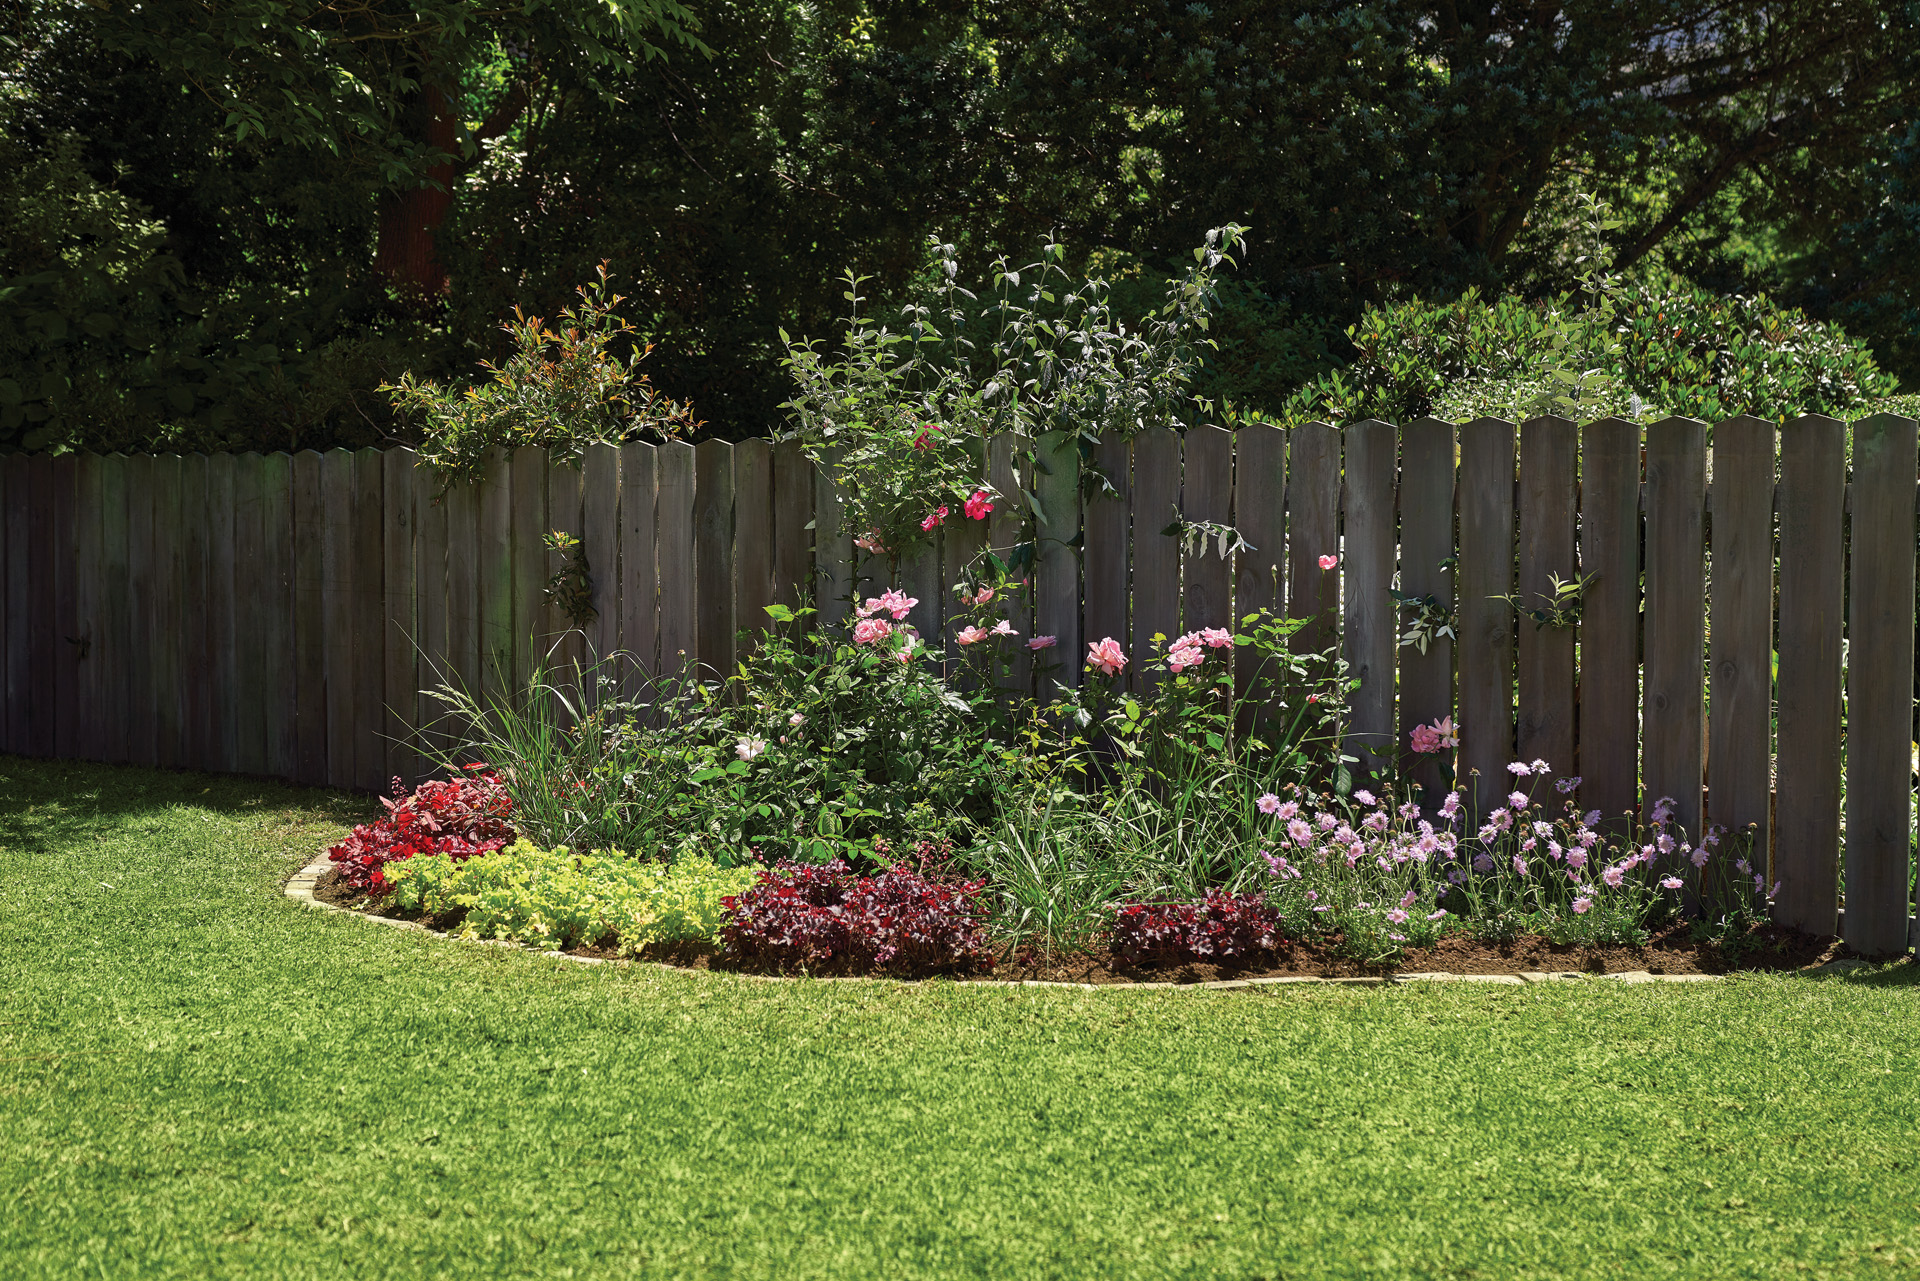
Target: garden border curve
[300,887]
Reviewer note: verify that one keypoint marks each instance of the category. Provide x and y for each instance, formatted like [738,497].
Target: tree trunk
[411,217]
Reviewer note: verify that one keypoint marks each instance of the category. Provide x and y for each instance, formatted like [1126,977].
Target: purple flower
[1363,796]
[1671,882]
[1300,832]
[1397,916]
[1434,916]
[1268,803]
[1519,865]
[1517,800]
[1581,904]
[1614,875]
[1518,768]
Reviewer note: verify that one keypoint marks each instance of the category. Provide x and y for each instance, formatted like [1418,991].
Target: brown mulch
[1673,952]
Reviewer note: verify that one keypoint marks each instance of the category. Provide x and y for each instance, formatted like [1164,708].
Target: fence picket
[1609,763]
[530,569]
[142,620]
[1740,735]
[430,574]
[600,531]
[674,516]
[639,580]
[1313,531]
[400,611]
[195,684]
[833,551]
[60,559]
[110,643]
[1156,555]
[279,686]
[251,596]
[1105,548]
[1260,514]
[168,617]
[713,510]
[1367,632]
[1056,577]
[13,612]
[496,564]
[1006,529]
[1880,618]
[1486,622]
[464,609]
[792,513]
[87,597]
[1206,494]
[307,537]
[1544,729]
[1426,553]
[564,648]
[336,609]
[1675,732]
[369,624]
[753,535]
[222,643]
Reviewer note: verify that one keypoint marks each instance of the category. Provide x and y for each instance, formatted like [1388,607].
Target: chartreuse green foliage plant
[555,898]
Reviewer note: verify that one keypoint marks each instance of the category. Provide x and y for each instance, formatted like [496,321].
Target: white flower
[796,720]
[749,747]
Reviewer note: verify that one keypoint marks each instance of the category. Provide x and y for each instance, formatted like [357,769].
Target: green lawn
[200,1079]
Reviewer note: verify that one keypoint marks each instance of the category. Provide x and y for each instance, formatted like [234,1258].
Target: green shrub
[556,898]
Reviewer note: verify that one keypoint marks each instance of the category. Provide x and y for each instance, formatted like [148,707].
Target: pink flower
[1439,915]
[870,542]
[869,631]
[982,596]
[972,635]
[934,518]
[1700,856]
[1182,657]
[1449,736]
[1004,628]
[1671,882]
[1268,803]
[1581,904]
[1300,832]
[1363,796]
[894,602]
[1423,740]
[1613,876]
[1043,642]
[1397,916]
[748,748]
[1106,657]
[925,439]
[1518,767]
[979,505]
[1217,637]
[1518,800]
[1328,562]
[1289,809]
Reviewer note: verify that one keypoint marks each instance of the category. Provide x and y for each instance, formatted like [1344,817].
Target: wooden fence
[267,614]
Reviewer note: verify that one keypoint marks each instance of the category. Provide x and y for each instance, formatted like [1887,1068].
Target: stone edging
[300,890]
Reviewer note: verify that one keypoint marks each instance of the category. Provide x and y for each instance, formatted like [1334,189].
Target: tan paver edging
[300,890]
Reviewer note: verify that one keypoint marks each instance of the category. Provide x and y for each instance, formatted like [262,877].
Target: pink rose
[979,505]
[1106,657]
[1004,628]
[934,518]
[1043,642]
[1328,562]
[972,635]
[1184,656]
[869,631]
[1217,638]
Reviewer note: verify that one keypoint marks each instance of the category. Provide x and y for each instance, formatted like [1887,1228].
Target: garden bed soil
[1673,952]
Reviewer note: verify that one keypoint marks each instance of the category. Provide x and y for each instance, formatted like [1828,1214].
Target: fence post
[1609,761]
[1740,729]
[1367,635]
[1156,558]
[713,517]
[1544,730]
[1880,618]
[1674,742]
[1486,622]
[1426,556]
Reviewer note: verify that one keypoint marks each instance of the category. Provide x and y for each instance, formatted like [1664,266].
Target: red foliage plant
[815,916]
[1222,927]
[458,817]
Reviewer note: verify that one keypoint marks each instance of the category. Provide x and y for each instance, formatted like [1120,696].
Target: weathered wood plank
[1610,619]
[401,616]
[168,615]
[1206,495]
[142,620]
[600,529]
[369,624]
[1880,620]
[1426,555]
[1006,531]
[190,585]
[1674,741]
[1545,729]
[1486,623]
[495,503]
[1740,734]
[87,597]
[111,645]
[1367,633]
[337,612]
[432,661]
[833,551]
[281,687]
[713,513]
[13,613]
[792,513]
[920,580]
[1156,556]
[639,578]
[753,536]
[1056,579]
[222,642]
[312,517]
[1313,531]
[565,649]
[531,567]
[40,620]
[1260,514]
[62,562]
[1806,830]
[1105,551]
[253,595]
[679,619]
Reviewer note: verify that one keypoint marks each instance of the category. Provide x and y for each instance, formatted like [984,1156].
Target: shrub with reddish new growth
[822,916]
[458,817]
[1222,927]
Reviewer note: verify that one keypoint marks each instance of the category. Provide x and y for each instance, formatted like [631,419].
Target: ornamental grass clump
[822,916]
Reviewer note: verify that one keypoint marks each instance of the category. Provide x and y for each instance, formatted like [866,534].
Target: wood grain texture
[86,608]
[1880,620]
[112,643]
[673,547]
[713,515]
[639,579]
[369,624]
[432,665]
[166,616]
[1544,729]
[336,530]
[1006,531]
[496,565]
[402,636]
[278,647]
[1426,550]
[1206,494]
[1674,741]
[1156,555]
[464,609]
[311,519]
[1259,574]
[190,550]
[14,546]
[136,663]
[1367,632]
[532,564]
[1740,733]
[252,598]
[1486,719]
[600,529]
[62,562]
[1610,621]
[833,550]
[1105,553]
[1056,583]
[752,536]
[564,648]
[222,642]
[41,624]
[792,514]
[1806,831]
[1313,531]
[920,580]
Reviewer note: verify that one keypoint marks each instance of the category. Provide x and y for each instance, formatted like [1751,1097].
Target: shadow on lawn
[46,804]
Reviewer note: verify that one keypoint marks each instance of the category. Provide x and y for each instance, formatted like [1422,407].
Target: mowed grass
[200,1079]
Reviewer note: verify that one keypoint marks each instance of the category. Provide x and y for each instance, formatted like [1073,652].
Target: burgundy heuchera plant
[815,915]
[458,817]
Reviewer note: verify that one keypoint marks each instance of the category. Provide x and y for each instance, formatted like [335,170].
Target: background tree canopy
[227,224]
